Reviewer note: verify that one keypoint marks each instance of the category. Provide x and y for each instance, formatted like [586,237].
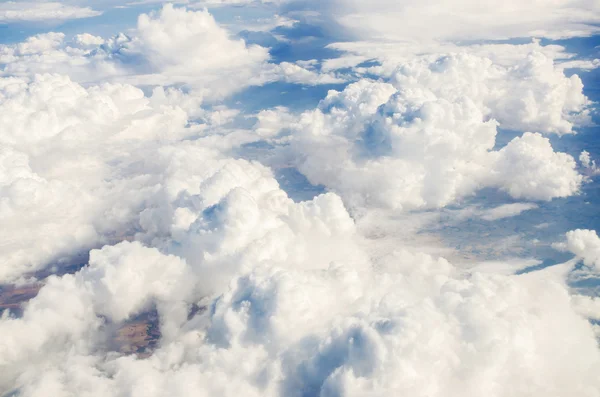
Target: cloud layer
[120,167]
[27,11]
[465,19]
[299,323]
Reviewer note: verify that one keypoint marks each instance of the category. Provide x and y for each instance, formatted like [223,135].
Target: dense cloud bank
[109,147]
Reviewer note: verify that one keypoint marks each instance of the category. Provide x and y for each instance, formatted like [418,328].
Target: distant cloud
[168,47]
[464,19]
[38,11]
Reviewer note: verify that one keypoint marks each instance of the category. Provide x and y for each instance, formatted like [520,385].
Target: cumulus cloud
[407,323]
[27,11]
[529,168]
[293,290]
[179,43]
[70,157]
[426,138]
[530,93]
[223,216]
[172,46]
[488,73]
[586,245]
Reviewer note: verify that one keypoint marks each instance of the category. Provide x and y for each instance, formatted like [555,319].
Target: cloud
[586,245]
[293,290]
[409,323]
[177,42]
[68,160]
[547,100]
[256,294]
[506,211]
[426,139]
[228,217]
[82,167]
[27,11]
[464,20]
[169,47]
[529,168]
[296,74]
[588,164]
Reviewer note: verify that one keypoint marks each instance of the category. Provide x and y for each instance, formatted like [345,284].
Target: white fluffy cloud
[171,46]
[529,93]
[297,298]
[87,166]
[29,11]
[427,139]
[529,168]
[524,86]
[78,165]
[586,245]
[291,323]
[190,45]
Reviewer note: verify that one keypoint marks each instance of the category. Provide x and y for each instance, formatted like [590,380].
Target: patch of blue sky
[584,47]
[295,184]
[304,42]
